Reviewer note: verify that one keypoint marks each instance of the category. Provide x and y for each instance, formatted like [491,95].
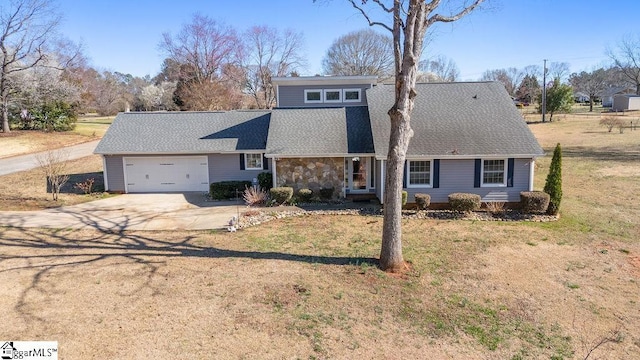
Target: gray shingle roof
[186,132]
[320,131]
[456,119]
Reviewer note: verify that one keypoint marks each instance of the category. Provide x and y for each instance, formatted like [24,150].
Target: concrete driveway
[177,211]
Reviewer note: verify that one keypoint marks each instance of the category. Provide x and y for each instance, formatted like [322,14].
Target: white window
[351,95]
[494,172]
[312,96]
[333,95]
[253,161]
[419,173]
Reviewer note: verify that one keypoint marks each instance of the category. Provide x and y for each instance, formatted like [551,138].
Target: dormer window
[351,95]
[312,96]
[332,95]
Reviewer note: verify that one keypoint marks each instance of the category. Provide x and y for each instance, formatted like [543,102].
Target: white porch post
[273,166]
[532,166]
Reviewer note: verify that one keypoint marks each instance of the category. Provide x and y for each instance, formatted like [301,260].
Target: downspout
[104,173]
[382,177]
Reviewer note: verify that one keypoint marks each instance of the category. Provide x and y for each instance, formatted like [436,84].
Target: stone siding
[311,173]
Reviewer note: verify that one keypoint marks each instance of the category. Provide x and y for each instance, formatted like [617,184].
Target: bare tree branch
[366,16]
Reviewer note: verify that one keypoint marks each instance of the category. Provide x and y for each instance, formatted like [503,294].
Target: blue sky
[123,35]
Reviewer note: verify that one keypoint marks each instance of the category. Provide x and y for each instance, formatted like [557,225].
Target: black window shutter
[404,175]
[241,161]
[265,163]
[436,173]
[373,172]
[510,166]
[477,173]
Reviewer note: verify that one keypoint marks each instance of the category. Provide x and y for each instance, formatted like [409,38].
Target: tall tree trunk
[400,116]
[5,117]
[391,251]
[410,22]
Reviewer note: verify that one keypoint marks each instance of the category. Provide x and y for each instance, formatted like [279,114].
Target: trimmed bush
[281,194]
[326,193]
[553,184]
[534,202]
[225,190]
[265,180]
[423,201]
[405,196]
[305,195]
[464,201]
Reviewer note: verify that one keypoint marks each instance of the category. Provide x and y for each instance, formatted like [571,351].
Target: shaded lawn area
[309,288]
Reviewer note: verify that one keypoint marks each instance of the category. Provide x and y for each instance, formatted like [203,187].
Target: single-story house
[580,97]
[626,102]
[332,132]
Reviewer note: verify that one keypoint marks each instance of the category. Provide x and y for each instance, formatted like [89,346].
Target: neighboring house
[332,132]
[607,94]
[626,102]
[580,97]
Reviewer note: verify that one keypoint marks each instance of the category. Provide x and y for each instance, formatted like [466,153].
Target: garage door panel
[162,174]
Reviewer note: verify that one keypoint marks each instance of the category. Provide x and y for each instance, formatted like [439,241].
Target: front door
[358,173]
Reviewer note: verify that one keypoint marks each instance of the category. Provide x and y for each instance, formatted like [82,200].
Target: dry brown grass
[20,142]
[308,287]
[27,190]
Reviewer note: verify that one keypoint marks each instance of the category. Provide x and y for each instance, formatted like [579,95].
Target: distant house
[332,132]
[626,102]
[608,94]
[580,97]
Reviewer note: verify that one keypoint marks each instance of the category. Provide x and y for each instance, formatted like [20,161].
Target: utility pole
[544,90]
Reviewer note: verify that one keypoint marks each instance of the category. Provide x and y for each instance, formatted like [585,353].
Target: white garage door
[165,174]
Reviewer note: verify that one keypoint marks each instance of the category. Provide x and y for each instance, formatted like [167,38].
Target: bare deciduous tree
[410,21]
[204,50]
[26,28]
[363,52]
[626,59]
[269,53]
[439,69]
[205,45]
[509,77]
[558,70]
[591,83]
[54,165]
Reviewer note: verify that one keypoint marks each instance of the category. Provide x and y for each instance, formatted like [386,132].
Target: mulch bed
[256,216]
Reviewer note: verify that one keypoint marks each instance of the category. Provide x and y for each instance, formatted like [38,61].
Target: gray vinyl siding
[293,96]
[458,176]
[222,167]
[226,167]
[115,172]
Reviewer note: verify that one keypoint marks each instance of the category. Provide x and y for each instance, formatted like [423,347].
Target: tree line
[45,79]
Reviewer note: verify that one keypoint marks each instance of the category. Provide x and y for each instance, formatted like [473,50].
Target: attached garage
[182,151]
[166,174]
